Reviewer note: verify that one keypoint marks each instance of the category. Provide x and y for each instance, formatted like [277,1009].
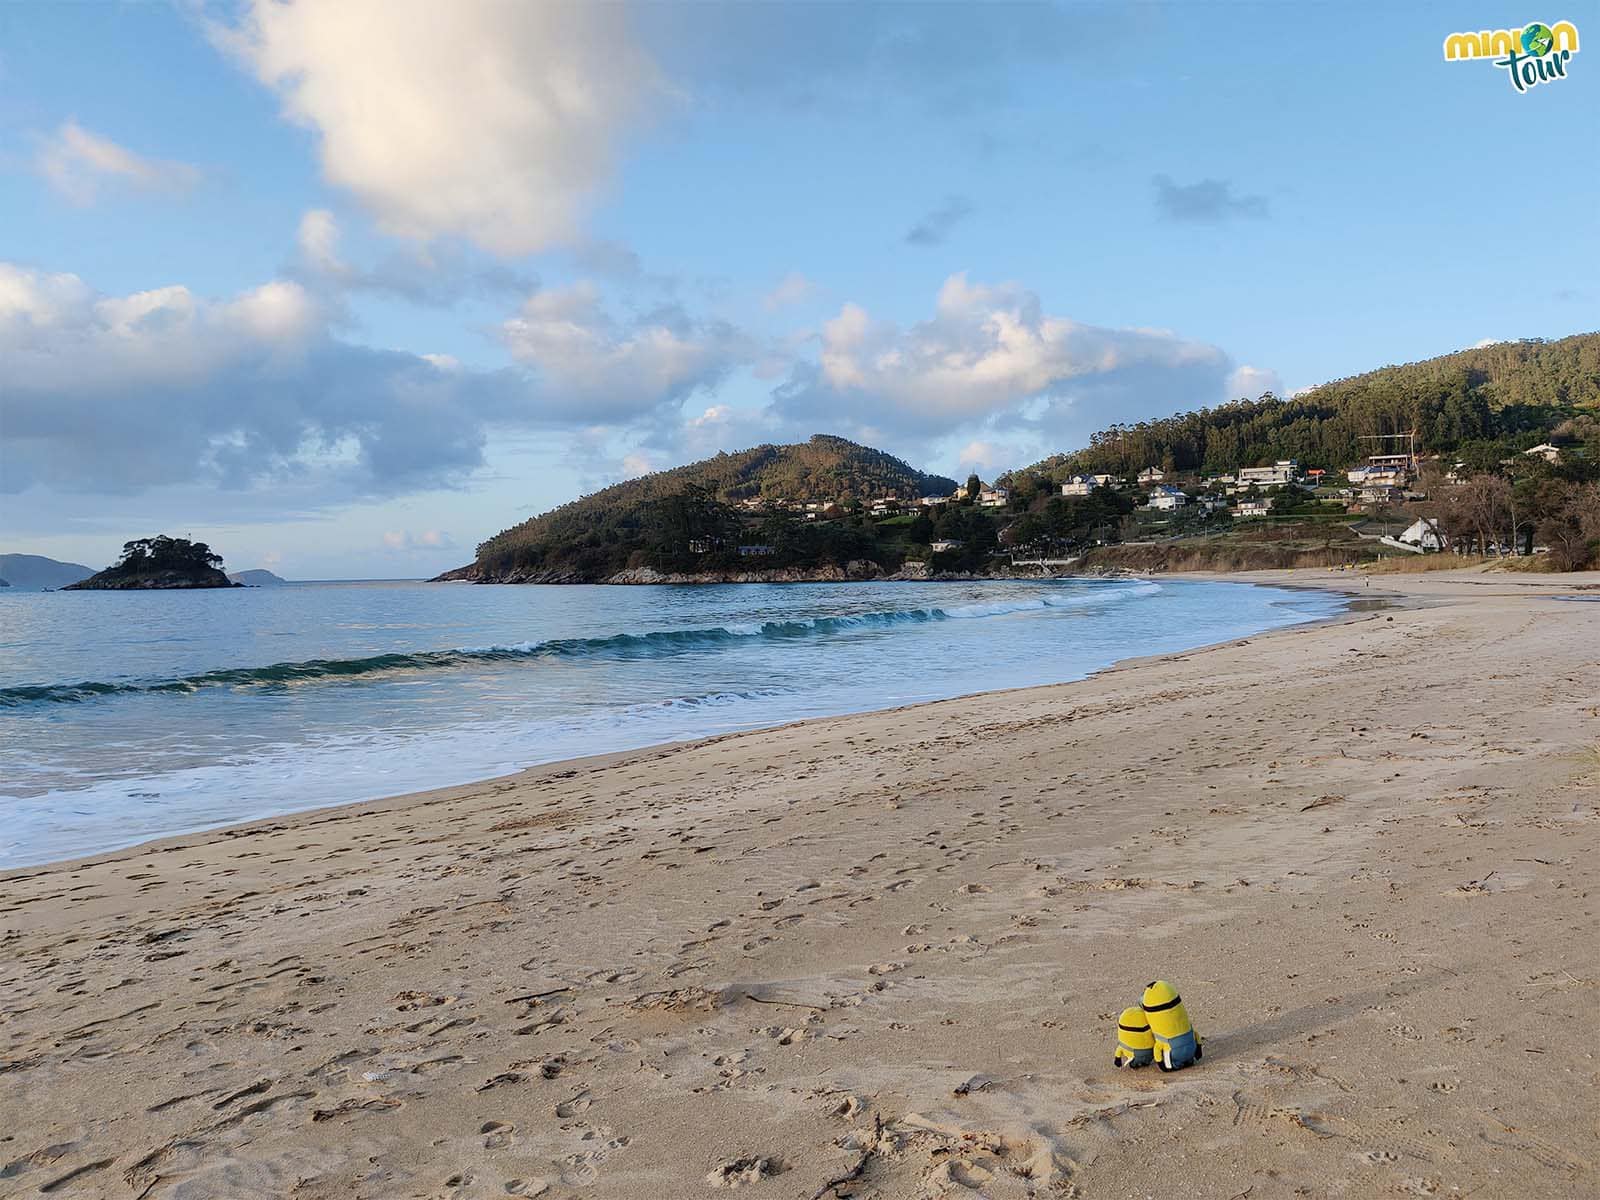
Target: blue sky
[346,288]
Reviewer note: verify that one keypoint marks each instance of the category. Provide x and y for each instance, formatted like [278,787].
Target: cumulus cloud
[596,368]
[1208,201]
[936,226]
[990,354]
[985,456]
[107,393]
[639,462]
[1251,382]
[78,163]
[495,121]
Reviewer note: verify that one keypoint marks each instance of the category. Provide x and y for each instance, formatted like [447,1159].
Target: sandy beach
[882,955]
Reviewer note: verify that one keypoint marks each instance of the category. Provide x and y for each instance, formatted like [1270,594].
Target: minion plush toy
[1176,1042]
[1135,1046]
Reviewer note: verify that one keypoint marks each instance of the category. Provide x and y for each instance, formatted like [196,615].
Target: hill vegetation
[1477,405]
[651,521]
[159,562]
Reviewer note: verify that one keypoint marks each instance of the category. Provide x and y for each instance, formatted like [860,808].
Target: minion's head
[1133,1020]
[1158,994]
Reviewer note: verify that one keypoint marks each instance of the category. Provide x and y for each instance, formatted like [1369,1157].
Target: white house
[1253,508]
[1379,493]
[1151,475]
[993,497]
[1167,498]
[1284,471]
[1378,476]
[1079,485]
[1544,450]
[940,547]
[1424,533]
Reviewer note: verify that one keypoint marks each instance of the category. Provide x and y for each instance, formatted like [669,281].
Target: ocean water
[127,716]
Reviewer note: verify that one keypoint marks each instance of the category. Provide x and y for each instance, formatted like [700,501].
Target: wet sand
[881,955]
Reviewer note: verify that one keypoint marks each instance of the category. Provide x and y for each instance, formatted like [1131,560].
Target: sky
[344,287]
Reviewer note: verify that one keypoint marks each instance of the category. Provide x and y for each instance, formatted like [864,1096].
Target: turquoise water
[128,716]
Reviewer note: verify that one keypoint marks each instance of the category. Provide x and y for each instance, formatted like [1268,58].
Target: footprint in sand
[526,1187]
[1428,1185]
[497,1134]
[571,1108]
[581,1170]
[850,1107]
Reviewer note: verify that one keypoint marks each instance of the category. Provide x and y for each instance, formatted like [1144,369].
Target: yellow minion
[1176,1042]
[1135,1046]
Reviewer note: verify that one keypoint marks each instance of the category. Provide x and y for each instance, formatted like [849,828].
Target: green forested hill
[600,533]
[1478,404]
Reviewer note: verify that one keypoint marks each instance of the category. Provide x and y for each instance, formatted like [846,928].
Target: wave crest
[621,646]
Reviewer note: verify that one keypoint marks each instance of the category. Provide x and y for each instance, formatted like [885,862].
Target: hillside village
[1380,489]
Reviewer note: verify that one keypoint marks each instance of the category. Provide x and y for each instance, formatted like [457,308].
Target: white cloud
[495,121]
[435,274]
[404,540]
[1251,382]
[987,352]
[598,369]
[77,163]
[638,463]
[984,456]
[318,242]
[114,394]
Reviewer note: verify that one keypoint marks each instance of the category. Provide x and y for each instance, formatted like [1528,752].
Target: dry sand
[880,956]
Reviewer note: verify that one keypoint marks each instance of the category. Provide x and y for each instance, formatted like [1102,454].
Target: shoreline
[403,800]
[885,947]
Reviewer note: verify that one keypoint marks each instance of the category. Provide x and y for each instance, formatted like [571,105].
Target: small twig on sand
[861,1163]
[531,996]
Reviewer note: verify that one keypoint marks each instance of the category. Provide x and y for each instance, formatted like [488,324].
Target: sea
[126,716]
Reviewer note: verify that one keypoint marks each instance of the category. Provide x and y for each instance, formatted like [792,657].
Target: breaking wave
[654,644]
